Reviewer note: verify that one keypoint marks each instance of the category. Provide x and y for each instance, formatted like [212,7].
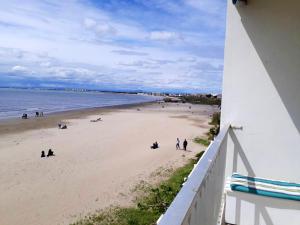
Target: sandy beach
[96,164]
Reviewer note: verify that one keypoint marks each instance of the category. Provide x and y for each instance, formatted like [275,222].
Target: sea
[15,102]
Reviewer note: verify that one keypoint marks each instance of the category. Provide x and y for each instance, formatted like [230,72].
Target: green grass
[215,120]
[119,216]
[148,207]
[202,141]
[202,100]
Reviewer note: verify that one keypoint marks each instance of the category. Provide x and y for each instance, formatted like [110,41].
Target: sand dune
[95,164]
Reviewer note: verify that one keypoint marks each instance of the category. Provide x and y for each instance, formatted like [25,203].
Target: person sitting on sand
[43,154]
[64,127]
[60,126]
[154,145]
[185,143]
[50,153]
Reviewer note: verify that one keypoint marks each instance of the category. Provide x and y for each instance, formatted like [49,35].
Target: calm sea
[15,102]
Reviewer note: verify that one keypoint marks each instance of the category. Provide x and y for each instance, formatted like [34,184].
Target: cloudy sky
[154,45]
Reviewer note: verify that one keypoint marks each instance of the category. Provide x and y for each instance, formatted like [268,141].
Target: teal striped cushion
[265,187]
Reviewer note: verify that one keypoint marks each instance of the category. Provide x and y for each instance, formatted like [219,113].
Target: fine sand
[96,164]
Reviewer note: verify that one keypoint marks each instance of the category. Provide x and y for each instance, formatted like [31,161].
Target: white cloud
[205,5]
[89,23]
[163,36]
[46,64]
[71,73]
[89,45]
[20,69]
[104,29]
[130,52]
[101,28]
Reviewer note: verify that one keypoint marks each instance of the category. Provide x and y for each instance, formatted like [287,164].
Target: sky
[148,45]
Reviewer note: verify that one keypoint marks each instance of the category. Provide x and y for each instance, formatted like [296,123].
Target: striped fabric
[270,188]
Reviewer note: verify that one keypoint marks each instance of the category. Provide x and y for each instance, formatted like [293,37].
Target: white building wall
[261,88]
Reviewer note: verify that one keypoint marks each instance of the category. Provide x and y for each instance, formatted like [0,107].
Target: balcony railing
[200,201]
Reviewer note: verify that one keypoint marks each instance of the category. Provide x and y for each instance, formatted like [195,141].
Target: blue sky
[151,45]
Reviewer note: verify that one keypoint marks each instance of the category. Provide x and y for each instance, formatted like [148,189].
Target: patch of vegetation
[119,216]
[201,99]
[202,141]
[149,206]
[199,155]
[215,121]
[167,99]
[213,131]
[216,118]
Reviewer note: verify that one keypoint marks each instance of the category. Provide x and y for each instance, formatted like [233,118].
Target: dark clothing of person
[64,127]
[60,126]
[185,145]
[155,145]
[50,153]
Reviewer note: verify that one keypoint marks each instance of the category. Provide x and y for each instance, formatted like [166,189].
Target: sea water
[15,102]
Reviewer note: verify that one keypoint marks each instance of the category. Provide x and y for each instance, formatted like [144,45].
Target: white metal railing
[199,202]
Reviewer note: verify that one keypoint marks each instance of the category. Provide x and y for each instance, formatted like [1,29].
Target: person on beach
[50,153]
[178,144]
[60,126]
[64,126]
[154,145]
[185,143]
[43,154]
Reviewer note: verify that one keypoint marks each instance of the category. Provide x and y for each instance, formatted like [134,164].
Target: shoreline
[50,120]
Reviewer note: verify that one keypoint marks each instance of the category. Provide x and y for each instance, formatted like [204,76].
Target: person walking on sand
[178,144]
[185,143]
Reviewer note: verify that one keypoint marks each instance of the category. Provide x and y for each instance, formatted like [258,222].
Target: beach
[96,164]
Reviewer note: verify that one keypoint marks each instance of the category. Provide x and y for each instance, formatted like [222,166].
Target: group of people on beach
[154,145]
[37,114]
[50,153]
[185,143]
[62,126]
